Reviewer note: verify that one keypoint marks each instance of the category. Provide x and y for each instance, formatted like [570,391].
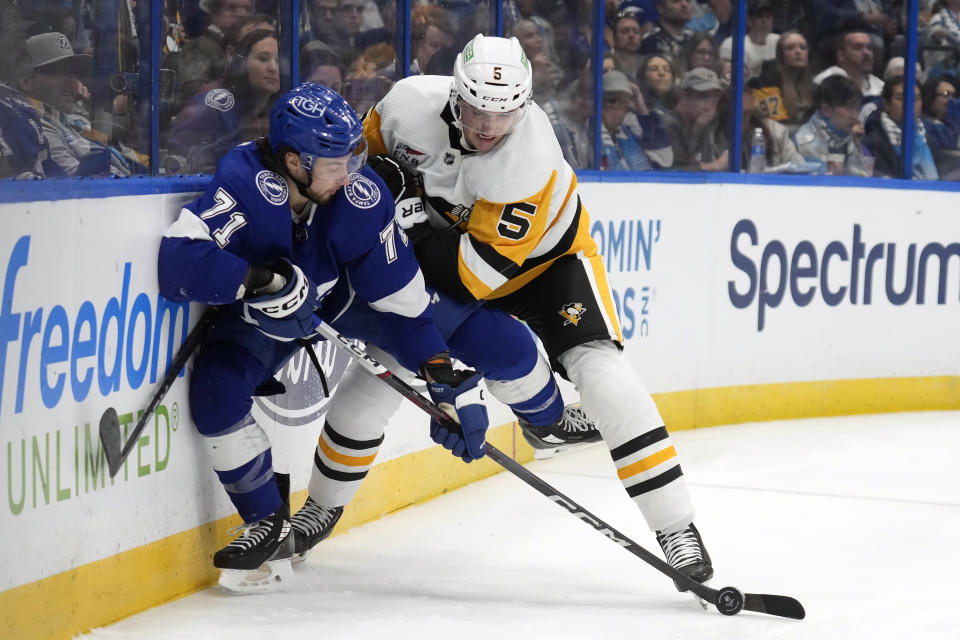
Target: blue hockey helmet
[317,122]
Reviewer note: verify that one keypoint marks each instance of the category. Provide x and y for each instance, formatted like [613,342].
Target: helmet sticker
[468,52]
[362,191]
[219,99]
[272,187]
[308,106]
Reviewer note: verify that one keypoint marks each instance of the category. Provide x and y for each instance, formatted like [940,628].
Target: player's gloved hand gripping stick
[727,600]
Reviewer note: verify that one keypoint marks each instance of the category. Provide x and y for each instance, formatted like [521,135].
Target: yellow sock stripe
[342,458]
[646,463]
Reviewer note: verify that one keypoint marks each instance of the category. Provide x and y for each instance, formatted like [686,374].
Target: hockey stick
[110,436]
[728,600]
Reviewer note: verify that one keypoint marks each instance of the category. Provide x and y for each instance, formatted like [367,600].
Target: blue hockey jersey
[349,247]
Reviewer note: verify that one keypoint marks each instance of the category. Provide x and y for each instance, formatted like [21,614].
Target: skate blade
[269,577]
[298,558]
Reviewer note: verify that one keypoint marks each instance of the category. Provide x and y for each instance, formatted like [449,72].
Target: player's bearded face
[329,175]
[482,130]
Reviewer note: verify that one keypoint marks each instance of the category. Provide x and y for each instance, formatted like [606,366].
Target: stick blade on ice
[783,606]
[110,439]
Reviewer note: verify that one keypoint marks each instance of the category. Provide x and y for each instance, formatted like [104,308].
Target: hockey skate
[311,524]
[684,550]
[258,560]
[573,428]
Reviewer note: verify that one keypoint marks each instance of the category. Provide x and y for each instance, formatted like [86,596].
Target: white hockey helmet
[492,74]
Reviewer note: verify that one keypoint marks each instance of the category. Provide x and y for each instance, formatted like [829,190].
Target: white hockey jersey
[517,203]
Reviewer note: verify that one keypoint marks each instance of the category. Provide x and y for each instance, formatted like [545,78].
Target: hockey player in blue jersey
[286,226]
[293,228]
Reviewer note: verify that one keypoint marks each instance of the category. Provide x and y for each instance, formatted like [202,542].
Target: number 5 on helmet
[287,314]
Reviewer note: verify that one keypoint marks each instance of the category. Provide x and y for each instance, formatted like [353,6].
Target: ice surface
[857,517]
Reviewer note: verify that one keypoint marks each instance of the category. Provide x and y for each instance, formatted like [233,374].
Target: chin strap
[272,162]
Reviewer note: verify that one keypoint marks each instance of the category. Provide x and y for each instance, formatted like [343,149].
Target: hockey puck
[729,601]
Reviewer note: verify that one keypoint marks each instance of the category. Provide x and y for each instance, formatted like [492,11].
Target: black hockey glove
[404,187]
[459,394]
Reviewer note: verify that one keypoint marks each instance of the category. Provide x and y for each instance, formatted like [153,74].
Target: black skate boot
[258,560]
[573,428]
[312,524]
[685,551]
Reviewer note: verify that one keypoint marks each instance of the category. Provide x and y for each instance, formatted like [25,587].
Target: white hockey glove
[404,187]
[286,314]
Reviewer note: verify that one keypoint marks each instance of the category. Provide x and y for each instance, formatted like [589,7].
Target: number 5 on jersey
[514,224]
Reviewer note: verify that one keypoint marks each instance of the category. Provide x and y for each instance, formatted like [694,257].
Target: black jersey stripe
[349,443]
[333,474]
[500,263]
[656,482]
[632,446]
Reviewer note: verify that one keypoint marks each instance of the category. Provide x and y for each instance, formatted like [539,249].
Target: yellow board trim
[108,590]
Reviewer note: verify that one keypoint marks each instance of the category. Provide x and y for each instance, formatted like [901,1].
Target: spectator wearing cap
[671,31]
[699,143]
[633,137]
[629,27]
[760,44]
[832,135]
[50,73]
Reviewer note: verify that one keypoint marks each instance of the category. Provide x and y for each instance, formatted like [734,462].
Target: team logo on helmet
[272,187]
[572,312]
[220,99]
[308,106]
[362,191]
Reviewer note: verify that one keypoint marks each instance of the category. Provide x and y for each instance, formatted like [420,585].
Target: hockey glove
[404,187]
[459,394]
[286,314]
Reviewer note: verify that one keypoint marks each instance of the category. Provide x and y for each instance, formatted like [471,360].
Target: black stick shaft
[194,338]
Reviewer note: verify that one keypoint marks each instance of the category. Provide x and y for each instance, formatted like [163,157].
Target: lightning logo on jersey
[572,312]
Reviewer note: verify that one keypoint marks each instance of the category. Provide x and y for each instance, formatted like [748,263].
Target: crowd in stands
[824,79]
[837,109]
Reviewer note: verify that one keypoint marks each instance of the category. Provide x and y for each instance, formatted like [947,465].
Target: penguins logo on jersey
[307,106]
[572,312]
[220,99]
[362,191]
[272,187]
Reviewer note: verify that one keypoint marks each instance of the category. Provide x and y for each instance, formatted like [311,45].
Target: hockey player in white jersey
[507,225]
